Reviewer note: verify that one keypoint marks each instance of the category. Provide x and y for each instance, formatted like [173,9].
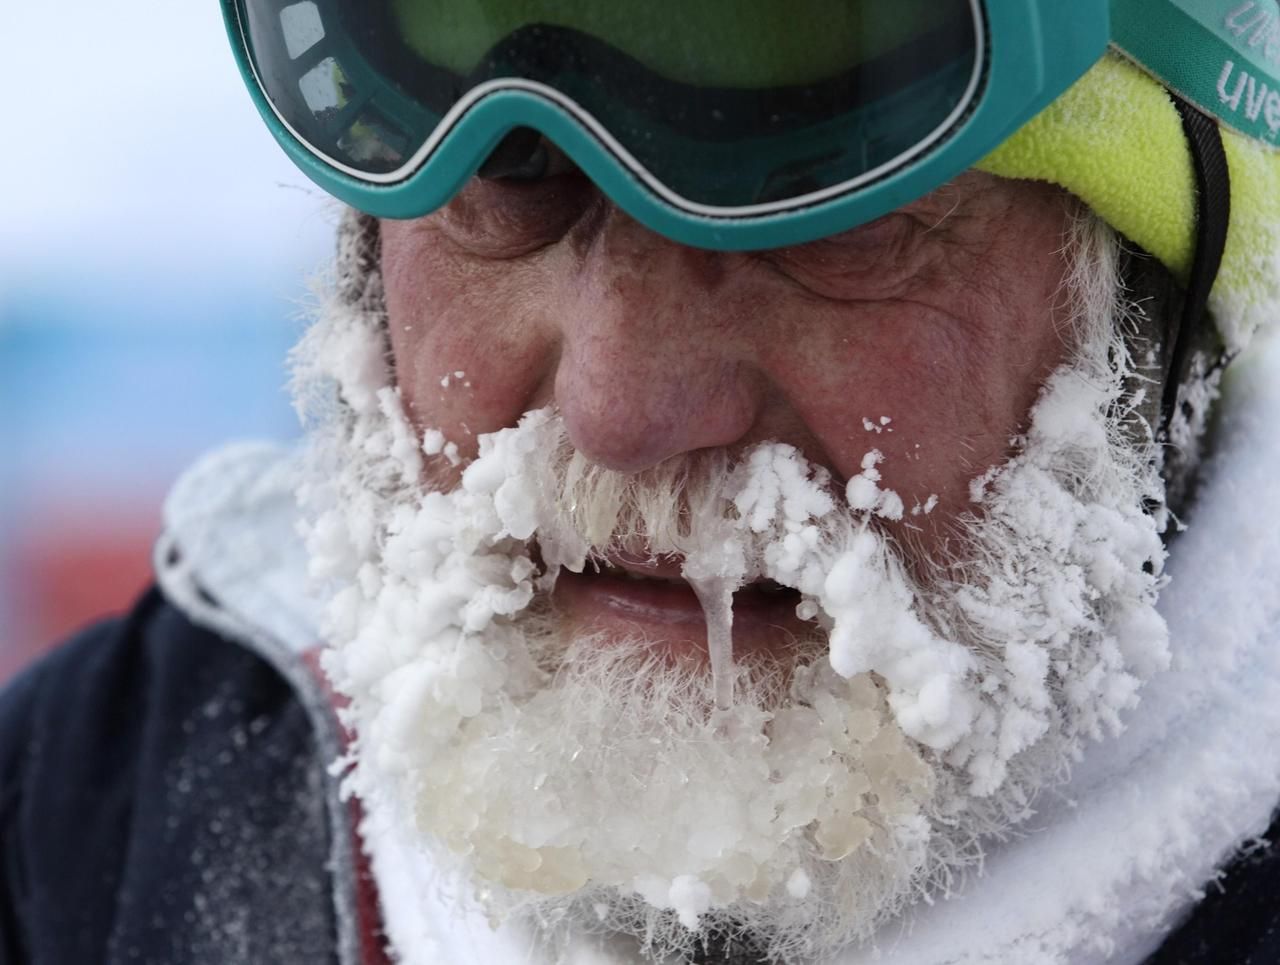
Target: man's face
[925,336]
[893,468]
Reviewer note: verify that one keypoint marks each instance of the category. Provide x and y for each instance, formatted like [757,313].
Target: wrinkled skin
[945,316]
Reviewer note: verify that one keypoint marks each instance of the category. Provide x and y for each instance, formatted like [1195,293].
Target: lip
[633,596]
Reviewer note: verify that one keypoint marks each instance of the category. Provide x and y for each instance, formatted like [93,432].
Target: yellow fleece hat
[1115,140]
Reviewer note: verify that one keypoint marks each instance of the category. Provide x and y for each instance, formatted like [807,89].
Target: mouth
[630,596]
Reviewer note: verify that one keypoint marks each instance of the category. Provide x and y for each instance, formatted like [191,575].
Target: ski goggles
[725,124]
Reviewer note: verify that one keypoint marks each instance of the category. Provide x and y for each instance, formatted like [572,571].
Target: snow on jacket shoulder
[162,800]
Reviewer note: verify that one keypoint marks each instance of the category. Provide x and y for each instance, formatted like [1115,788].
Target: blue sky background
[154,244]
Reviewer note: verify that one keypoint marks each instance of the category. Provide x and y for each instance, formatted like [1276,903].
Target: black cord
[1213,216]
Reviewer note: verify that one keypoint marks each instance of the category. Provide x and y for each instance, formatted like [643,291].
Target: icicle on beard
[589,785]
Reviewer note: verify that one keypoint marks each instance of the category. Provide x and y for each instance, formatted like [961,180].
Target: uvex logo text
[1243,93]
[1257,26]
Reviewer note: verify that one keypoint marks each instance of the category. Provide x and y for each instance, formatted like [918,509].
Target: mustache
[579,510]
[655,512]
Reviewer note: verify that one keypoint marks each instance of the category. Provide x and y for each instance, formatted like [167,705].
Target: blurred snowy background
[154,246]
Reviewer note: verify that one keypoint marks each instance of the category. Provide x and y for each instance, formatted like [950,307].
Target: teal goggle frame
[1025,54]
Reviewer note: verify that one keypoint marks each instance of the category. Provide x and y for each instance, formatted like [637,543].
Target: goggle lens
[731,107]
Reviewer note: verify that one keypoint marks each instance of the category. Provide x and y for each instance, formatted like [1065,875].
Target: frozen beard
[586,785]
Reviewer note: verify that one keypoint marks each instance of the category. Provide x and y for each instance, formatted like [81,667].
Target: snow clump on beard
[590,785]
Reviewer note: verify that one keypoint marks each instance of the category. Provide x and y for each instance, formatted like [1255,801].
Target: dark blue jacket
[162,800]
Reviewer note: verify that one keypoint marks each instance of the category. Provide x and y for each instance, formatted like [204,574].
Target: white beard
[587,786]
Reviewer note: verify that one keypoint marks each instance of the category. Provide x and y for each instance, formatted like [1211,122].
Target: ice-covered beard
[587,786]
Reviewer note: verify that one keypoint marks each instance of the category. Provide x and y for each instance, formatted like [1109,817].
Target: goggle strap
[1213,216]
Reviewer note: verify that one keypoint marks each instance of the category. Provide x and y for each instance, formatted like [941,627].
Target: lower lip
[668,615]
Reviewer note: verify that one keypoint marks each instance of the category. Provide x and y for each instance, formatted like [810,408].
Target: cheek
[903,395]
[469,355]
[938,397]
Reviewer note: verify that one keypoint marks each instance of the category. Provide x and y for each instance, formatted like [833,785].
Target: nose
[653,361]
